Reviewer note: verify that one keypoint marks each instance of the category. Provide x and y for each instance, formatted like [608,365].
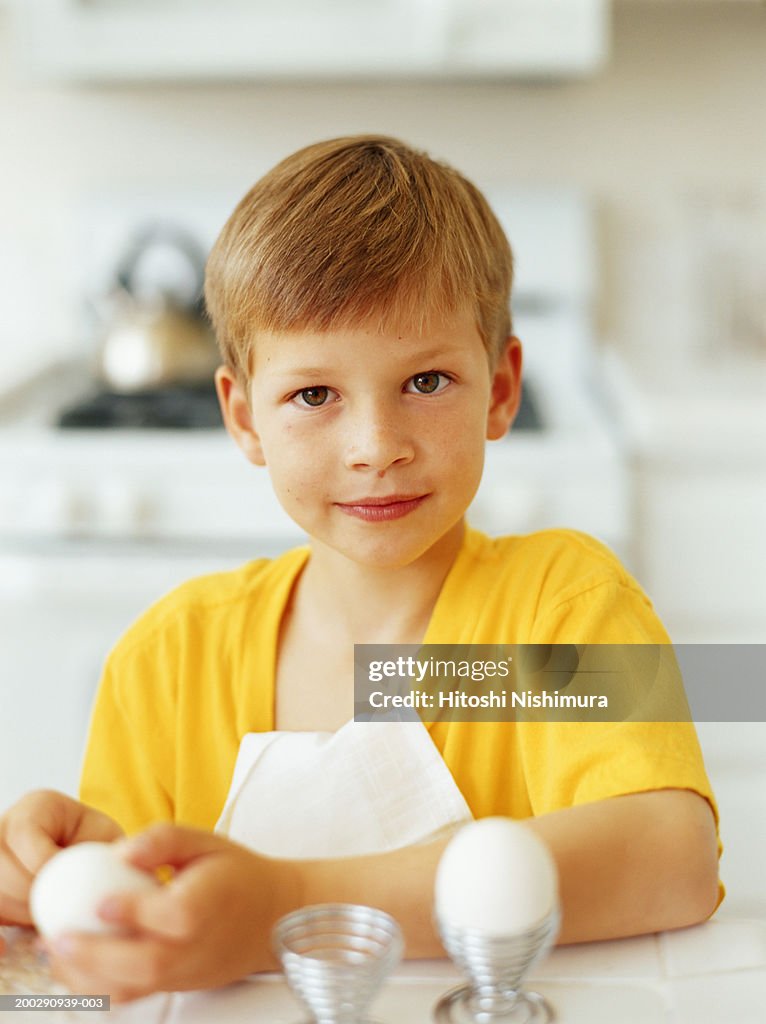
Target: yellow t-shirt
[196,673]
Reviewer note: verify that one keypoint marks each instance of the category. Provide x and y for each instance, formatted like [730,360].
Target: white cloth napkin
[367,788]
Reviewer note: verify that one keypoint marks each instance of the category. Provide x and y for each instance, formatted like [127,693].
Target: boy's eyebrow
[425,357]
[448,352]
[303,371]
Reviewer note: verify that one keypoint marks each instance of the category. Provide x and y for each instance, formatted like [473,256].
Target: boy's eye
[313,397]
[429,383]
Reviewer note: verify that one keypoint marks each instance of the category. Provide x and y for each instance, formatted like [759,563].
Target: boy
[360,293]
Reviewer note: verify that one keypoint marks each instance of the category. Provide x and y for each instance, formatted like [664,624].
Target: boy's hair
[354,230]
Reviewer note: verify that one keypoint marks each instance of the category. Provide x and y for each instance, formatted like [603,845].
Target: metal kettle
[163,340]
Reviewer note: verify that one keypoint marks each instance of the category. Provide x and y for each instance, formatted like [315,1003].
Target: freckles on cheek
[455,444]
[467,448]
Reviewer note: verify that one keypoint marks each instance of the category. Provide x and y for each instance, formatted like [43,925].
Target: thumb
[164,911]
[167,844]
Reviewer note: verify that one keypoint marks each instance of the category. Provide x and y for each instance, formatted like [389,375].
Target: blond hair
[353,229]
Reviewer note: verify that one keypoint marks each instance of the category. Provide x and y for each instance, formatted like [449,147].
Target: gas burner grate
[181,407]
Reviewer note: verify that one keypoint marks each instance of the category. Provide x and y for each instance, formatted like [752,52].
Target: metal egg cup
[496,967]
[336,956]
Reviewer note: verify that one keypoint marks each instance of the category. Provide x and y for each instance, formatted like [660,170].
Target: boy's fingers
[112,964]
[14,878]
[45,822]
[15,881]
[98,828]
[79,980]
[13,911]
[75,979]
[174,912]
[32,846]
[168,844]
[163,913]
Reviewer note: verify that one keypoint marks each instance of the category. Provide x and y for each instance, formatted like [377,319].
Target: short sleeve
[589,761]
[571,763]
[128,768]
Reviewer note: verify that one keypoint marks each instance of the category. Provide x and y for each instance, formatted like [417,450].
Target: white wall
[679,110]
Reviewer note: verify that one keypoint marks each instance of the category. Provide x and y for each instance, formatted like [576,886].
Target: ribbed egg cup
[496,967]
[336,956]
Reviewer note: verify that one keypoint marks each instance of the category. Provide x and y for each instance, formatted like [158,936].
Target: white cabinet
[700,507]
[196,40]
[702,550]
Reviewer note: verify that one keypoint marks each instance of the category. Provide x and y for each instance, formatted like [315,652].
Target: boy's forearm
[633,864]
[400,882]
[628,865]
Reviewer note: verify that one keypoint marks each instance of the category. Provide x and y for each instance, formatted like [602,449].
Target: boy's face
[346,418]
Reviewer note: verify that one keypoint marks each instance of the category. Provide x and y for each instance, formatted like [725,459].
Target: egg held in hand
[497,877]
[70,887]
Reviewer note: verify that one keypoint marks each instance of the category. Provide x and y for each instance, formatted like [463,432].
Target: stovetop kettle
[162,338]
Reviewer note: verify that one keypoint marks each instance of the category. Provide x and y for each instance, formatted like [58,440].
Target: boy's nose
[377,442]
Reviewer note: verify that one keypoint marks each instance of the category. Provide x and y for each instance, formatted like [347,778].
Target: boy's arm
[633,864]
[628,865]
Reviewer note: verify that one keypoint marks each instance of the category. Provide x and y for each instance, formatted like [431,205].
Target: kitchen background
[626,154]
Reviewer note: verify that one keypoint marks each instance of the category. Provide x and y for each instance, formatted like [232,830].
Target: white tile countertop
[714,973]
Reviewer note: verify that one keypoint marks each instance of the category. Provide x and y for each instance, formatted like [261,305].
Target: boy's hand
[31,832]
[209,926]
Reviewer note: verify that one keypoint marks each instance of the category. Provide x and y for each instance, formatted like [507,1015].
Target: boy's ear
[505,394]
[237,416]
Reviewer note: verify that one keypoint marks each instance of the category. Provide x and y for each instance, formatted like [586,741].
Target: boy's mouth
[378,509]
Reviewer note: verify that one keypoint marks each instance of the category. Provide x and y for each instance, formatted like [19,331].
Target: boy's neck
[362,604]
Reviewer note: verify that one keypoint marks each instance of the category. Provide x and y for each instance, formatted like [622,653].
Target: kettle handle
[180,239]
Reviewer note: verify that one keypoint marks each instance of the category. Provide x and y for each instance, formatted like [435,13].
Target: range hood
[241,40]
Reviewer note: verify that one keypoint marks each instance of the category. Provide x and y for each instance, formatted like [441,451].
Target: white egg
[497,876]
[69,888]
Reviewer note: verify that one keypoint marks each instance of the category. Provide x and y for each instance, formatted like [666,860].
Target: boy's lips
[382,507]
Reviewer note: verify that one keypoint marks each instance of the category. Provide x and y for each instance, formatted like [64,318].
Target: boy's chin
[380,554]
[389,550]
